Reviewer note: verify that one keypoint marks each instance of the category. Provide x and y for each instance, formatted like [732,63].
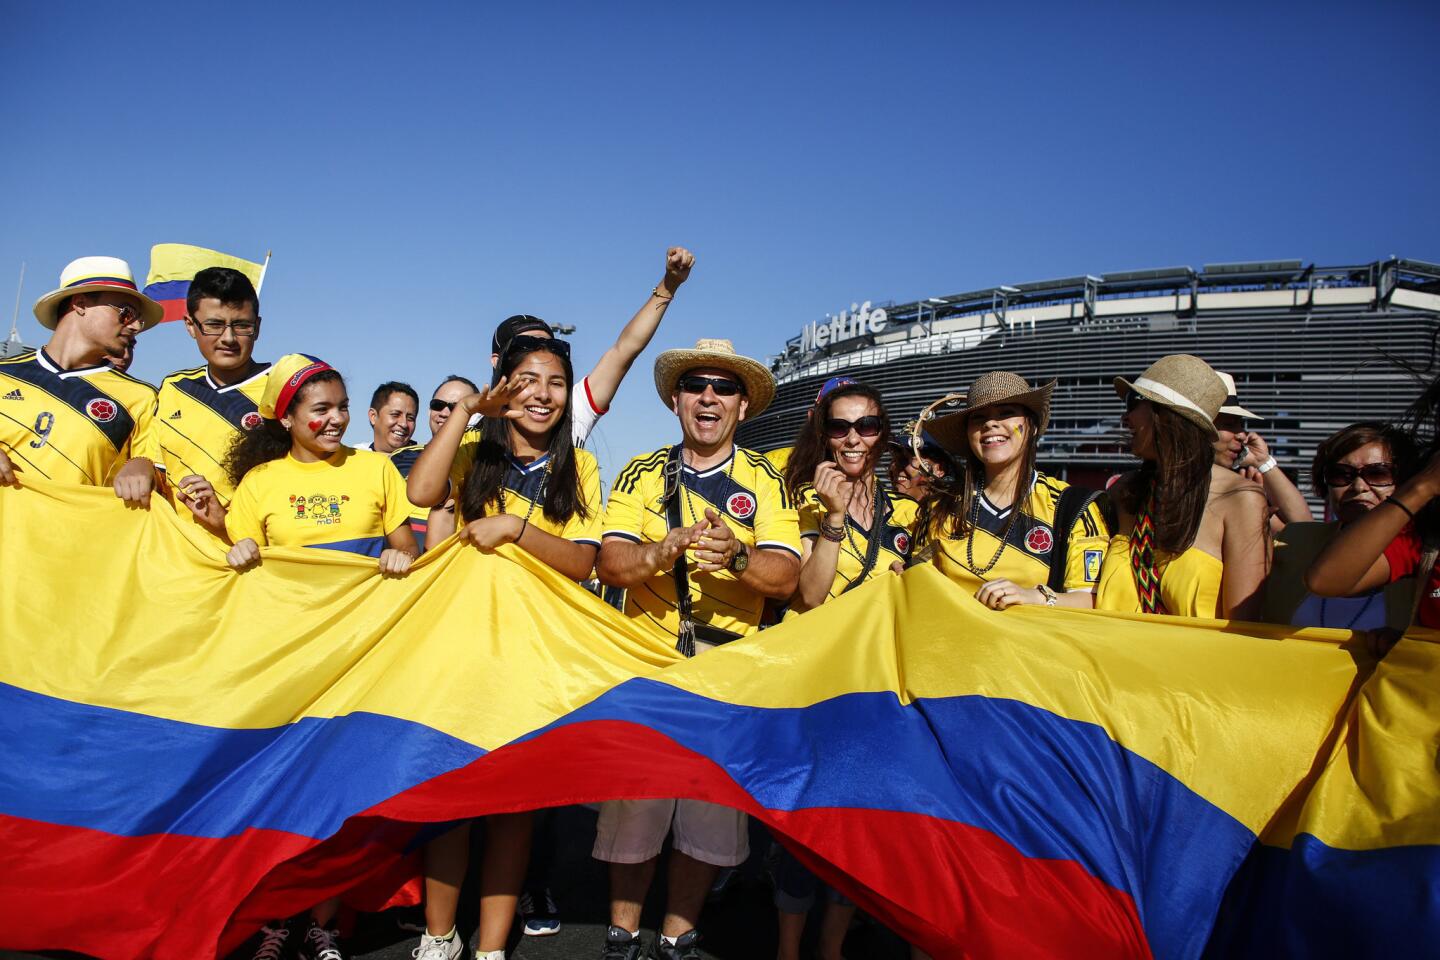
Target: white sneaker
[491,955]
[439,948]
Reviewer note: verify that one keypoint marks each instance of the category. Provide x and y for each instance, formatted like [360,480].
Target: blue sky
[424,170]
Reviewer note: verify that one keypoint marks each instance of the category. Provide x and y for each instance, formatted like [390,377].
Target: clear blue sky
[424,170]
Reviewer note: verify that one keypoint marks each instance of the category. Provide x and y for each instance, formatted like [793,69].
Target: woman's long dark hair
[270,440]
[562,498]
[1179,477]
[949,513]
[812,446]
[1422,421]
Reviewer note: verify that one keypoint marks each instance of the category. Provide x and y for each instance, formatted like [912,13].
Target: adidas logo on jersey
[175,415]
[15,395]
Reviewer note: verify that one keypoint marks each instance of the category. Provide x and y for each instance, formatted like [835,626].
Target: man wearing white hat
[1243,450]
[699,535]
[65,413]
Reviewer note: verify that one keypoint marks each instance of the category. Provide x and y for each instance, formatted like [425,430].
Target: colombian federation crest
[250,421]
[902,542]
[101,411]
[741,506]
[1039,540]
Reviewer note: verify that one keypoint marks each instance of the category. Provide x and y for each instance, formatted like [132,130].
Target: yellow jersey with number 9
[74,426]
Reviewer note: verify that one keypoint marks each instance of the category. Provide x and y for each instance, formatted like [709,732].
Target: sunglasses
[523,343]
[437,405]
[1374,474]
[1133,400]
[838,429]
[722,388]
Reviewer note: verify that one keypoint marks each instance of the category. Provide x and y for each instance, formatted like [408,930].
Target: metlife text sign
[855,322]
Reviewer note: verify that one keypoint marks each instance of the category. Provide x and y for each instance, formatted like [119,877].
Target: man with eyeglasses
[699,534]
[65,413]
[203,409]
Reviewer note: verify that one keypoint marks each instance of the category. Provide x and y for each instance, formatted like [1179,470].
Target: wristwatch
[740,561]
[1266,465]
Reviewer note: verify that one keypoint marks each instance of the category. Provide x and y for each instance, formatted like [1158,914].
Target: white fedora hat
[91,274]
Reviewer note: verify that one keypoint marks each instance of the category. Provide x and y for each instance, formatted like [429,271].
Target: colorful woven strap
[1142,560]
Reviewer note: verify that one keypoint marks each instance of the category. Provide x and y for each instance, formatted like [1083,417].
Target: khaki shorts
[633,831]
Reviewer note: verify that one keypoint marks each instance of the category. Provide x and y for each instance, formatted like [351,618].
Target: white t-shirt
[583,412]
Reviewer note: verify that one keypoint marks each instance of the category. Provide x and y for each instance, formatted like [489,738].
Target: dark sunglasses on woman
[523,343]
[837,429]
[1374,474]
[722,388]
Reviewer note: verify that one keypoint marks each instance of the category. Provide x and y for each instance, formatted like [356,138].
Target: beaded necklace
[975,525]
[544,482]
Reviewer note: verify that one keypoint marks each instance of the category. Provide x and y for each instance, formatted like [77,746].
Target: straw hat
[1232,402]
[91,274]
[1181,383]
[989,390]
[671,365]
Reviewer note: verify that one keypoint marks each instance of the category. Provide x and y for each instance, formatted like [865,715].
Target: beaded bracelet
[834,533]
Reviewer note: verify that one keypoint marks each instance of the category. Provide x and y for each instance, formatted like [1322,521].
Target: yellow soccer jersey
[524,495]
[746,490]
[896,535]
[524,491]
[75,426]
[195,423]
[1027,556]
[349,502]
[780,458]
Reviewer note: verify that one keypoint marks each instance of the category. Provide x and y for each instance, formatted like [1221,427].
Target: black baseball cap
[512,327]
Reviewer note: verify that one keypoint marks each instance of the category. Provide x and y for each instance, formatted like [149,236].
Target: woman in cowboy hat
[1191,538]
[1008,536]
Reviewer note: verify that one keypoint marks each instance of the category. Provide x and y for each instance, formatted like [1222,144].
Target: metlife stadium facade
[1311,348]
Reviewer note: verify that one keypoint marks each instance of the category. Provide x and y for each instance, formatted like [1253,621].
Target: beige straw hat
[671,365]
[1232,402]
[96,275]
[1181,383]
[989,390]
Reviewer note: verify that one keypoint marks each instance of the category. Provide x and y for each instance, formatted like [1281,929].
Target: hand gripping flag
[174,265]
[186,752]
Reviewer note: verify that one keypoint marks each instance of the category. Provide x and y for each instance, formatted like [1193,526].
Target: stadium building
[1311,348]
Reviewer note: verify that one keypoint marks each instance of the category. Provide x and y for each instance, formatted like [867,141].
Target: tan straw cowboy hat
[1184,384]
[990,390]
[671,365]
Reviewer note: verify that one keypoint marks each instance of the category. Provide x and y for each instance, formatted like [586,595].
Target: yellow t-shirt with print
[73,426]
[348,502]
[896,534]
[1027,555]
[525,491]
[746,490]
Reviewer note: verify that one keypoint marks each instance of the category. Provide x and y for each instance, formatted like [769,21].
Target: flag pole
[15,317]
[263,267]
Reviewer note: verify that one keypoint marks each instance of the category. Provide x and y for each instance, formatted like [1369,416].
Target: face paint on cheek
[1016,430]
[315,425]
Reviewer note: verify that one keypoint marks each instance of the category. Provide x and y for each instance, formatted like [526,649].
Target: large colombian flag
[185,752]
[174,265]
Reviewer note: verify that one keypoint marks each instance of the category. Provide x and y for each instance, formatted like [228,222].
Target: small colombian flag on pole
[174,265]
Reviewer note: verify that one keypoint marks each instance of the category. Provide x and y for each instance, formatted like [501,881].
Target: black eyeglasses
[722,388]
[837,429]
[1374,474]
[437,405]
[214,328]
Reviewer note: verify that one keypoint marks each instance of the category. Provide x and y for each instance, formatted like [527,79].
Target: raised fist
[678,262]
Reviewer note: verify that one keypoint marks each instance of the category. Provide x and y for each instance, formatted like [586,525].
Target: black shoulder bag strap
[1073,502]
[872,546]
[685,642]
